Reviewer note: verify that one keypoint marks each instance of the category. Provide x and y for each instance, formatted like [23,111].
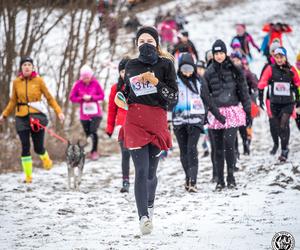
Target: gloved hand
[261,99]
[148,76]
[221,118]
[248,119]
[120,101]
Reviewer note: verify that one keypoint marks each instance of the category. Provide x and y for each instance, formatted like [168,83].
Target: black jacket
[224,86]
[165,92]
[282,75]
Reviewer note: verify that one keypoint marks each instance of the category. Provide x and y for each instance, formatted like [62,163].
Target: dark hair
[190,82]
[120,83]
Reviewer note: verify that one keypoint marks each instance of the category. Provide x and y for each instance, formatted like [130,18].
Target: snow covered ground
[46,215]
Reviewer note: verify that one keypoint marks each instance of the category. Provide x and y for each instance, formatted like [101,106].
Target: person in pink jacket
[167,31]
[88,92]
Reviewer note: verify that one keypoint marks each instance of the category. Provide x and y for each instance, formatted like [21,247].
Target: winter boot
[125,187]
[220,186]
[205,154]
[187,184]
[146,225]
[236,169]
[27,168]
[274,149]
[47,162]
[231,182]
[246,145]
[284,155]
[193,188]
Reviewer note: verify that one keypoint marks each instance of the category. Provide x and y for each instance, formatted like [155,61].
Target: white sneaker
[150,212]
[146,225]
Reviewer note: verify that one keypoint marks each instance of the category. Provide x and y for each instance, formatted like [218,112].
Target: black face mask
[148,54]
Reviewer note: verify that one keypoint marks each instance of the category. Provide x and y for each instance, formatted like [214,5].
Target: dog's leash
[36,126]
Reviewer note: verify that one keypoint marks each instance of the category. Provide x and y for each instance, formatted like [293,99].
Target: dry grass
[10,149]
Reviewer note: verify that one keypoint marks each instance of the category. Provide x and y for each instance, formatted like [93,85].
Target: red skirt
[145,124]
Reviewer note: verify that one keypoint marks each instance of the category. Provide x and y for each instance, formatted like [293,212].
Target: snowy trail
[46,215]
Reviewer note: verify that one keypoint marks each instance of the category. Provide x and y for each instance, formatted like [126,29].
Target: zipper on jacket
[26,94]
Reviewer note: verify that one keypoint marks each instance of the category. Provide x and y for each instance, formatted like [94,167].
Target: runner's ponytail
[165,54]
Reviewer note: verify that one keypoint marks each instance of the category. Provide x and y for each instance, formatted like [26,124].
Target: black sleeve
[242,92]
[194,50]
[207,99]
[168,88]
[126,89]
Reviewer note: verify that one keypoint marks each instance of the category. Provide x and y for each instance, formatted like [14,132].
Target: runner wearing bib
[188,119]
[150,86]
[283,81]
[88,92]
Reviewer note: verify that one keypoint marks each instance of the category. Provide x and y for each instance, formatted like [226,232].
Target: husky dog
[75,158]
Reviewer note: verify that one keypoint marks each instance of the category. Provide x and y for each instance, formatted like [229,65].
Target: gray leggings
[145,162]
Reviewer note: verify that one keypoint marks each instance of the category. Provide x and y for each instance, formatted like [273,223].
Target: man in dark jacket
[185,45]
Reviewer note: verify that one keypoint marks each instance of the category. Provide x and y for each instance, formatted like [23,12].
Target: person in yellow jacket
[27,92]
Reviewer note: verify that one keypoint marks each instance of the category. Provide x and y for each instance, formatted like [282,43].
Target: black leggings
[212,155]
[283,125]
[125,161]
[224,140]
[281,115]
[187,138]
[37,139]
[274,130]
[298,121]
[90,128]
[145,162]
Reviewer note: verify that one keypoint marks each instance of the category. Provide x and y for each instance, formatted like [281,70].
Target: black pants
[274,130]
[125,161]
[187,138]
[244,135]
[212,155]
[224,140]
[281,115]
[298,121]
[90,128]
[145,162]
[37,139]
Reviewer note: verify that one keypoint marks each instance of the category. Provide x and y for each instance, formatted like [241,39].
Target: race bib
[90,108]
[282,88]
[141,88]
[197,107]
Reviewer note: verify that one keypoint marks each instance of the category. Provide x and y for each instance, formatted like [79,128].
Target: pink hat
[86,72]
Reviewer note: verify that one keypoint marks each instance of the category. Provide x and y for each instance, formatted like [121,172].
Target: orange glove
[150,77]
[120,101]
